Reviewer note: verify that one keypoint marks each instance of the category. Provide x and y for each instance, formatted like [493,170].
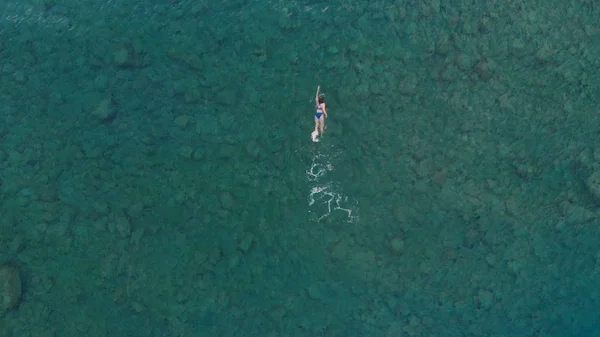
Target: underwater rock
[227,200]
[593,184]
[105,112]
[10,288]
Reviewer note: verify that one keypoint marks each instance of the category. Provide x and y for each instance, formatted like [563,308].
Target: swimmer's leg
[316,124]
[321,124]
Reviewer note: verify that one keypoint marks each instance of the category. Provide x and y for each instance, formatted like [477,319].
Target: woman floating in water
[320,115]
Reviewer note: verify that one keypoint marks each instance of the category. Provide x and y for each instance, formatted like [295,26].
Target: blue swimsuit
[319,112]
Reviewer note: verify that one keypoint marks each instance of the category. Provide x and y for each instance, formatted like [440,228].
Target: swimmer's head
[321,99]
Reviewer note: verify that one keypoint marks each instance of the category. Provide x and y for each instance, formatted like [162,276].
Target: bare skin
[320,122]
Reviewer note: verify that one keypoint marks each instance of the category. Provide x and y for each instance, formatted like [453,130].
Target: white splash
[324,198]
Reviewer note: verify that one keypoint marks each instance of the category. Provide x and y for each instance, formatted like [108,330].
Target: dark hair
[321,99]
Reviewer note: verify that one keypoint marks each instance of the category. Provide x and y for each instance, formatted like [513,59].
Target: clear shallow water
[158,177]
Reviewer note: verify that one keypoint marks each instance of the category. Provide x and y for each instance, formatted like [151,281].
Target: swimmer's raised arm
[317,95]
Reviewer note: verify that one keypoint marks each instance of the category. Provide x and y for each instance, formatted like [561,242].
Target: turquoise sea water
[157,176]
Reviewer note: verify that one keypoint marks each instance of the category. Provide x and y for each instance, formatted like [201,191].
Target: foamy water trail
[325,197]
[21,14]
